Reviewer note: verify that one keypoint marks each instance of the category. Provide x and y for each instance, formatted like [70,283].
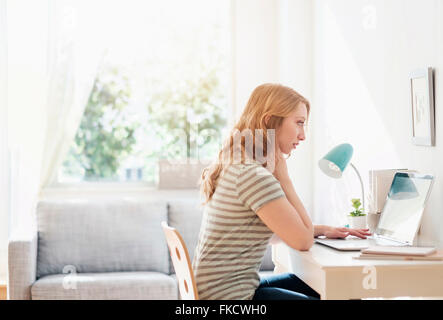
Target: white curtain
[54,50]
[4,168]
[76,44]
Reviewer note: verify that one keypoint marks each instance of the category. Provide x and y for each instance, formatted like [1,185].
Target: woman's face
[292,129]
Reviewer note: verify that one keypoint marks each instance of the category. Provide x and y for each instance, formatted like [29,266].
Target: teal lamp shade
[335,161]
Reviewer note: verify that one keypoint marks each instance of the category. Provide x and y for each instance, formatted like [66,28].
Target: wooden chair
[182,263]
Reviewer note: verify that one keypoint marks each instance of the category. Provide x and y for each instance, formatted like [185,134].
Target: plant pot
[358,222]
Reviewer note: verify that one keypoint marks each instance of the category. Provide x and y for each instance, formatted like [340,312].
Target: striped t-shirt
[233,239]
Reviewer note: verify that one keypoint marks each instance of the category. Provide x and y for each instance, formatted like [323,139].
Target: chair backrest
[182,263]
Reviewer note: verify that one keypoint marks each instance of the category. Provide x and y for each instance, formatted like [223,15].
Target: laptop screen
[401,215]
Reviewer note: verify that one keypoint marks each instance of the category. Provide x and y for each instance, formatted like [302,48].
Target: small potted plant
[357,219]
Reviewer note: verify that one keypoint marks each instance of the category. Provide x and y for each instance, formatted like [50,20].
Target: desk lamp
[335,162]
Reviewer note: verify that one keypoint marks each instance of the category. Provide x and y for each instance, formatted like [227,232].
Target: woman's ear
[267,119]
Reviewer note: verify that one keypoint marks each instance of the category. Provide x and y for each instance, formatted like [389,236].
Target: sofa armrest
[22,267]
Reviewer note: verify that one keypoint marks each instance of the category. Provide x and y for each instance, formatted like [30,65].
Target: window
[161,92]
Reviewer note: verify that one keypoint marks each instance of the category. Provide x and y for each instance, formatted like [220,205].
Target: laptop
[400,218]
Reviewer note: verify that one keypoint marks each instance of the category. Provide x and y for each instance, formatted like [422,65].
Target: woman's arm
[293,198]
[282,175]
[320,230]
[330,232]
[282,218]
[339,233]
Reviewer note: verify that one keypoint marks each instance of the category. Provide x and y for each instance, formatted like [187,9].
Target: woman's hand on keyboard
[341,233]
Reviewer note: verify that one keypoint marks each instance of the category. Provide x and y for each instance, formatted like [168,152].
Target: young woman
[249,197]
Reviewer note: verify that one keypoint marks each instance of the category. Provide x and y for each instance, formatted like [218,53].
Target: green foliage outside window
[194,107]
[162,96]
[105,136]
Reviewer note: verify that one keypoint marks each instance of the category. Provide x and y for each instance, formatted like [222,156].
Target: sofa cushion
[267,264]
[186,215]
[101,236]
[103,286]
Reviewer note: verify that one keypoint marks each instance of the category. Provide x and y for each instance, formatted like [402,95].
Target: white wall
[295,46]
[272,42]
[254,47]
[364,51]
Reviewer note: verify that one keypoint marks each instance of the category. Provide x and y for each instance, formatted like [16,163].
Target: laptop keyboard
[356,243]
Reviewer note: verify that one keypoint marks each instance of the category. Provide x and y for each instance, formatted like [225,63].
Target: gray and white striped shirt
[233,239]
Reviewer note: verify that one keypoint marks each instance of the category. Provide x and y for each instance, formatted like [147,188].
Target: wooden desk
[336,275]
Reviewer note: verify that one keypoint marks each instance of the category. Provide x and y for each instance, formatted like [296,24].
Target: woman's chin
[286,151]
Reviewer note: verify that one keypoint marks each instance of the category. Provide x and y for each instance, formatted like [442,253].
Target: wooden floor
[3,292]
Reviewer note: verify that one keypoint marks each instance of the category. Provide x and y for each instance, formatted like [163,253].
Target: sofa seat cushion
[104,286]
[264,274]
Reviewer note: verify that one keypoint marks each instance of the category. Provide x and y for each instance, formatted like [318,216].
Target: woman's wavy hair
[268,101]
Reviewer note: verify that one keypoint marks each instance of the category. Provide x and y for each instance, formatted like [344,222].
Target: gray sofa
[103,249]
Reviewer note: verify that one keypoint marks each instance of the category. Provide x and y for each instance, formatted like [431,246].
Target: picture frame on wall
[422,106]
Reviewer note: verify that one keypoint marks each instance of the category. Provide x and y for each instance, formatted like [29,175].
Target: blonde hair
[268,101]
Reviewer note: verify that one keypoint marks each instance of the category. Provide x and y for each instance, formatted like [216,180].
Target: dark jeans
[286,286]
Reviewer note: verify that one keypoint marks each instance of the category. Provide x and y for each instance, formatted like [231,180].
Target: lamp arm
[362,188]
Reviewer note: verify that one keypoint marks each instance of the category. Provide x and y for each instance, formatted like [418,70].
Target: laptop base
[355,244]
